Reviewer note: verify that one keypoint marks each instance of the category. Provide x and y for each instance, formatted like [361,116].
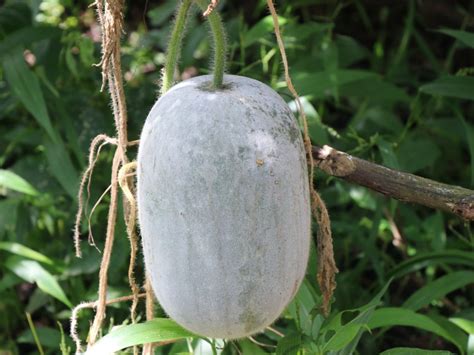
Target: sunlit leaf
[260,29]
[397,316]
[26,252]
[414,351]
[155,330]
[31,271]
[12,181]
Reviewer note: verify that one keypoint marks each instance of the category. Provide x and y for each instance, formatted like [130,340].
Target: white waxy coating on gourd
[223,205]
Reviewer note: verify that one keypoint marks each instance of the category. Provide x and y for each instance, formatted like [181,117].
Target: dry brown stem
[110,16]
[402,186]
[212,5]
[148,349]
[85,305]
[126,185]
[94,152]
[327,268]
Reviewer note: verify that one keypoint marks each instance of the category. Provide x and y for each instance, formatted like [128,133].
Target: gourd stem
[174,45]
[220,44]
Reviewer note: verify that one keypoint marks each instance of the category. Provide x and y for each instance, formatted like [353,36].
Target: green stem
[174,45]
[220,44]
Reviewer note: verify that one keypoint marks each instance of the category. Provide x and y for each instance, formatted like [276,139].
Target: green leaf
[461,87]
[260,29]
[417,153]
[394,316]
[26,252]
[465,324]
[469,133]
[343,337]
[421,261]
[48,337]
[159,329]
[12,181]
[350,340]
[302,306]
[438,289]
[160,14]
[414,351]
[25,85]
[290,344]
[61,167]
[463,36]
[14,15]
[26,36]
[376,91]
[247,347]
[320,84]
[31,271]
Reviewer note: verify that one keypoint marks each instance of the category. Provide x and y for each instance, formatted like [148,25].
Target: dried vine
[327,268]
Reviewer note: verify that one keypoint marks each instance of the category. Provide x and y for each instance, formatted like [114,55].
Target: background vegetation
[388,81]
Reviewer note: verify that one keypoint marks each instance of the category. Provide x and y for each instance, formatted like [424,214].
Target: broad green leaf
[463,36]
[388,155]
[61,167]
[439,288]
[417,153]
[31,271]
[461,87]
[14,15]
[414,351]
[12,181]
[159,329]
[323,83]
[26,252]
[375,91]
[394,316]
[469,133]
[290,344]
[161,13]
[260,29]
[455,332]
[48,337]
[247,347]
[360,321]
[342,337]
[25,85]
[465,324]
[9,210]
[421,261]
[8,281]
[26,36]
[302,306]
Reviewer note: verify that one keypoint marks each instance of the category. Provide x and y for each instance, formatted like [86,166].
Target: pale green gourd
[223,204]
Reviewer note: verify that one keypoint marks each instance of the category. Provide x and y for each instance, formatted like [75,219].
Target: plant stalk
[220,44]
[174,45]
[396,184]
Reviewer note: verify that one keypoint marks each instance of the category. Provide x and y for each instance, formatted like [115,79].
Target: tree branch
[396,184]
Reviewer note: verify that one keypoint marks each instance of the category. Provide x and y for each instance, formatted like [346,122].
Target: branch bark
[396,184]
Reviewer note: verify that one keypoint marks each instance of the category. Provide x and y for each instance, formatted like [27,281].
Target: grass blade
[31,271]
[12,181]
[438,289]
[397,316]
[156,330]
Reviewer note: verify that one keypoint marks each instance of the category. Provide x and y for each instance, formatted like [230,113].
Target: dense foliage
[388,81]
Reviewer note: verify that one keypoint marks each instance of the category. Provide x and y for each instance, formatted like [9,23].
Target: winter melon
[223,205]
